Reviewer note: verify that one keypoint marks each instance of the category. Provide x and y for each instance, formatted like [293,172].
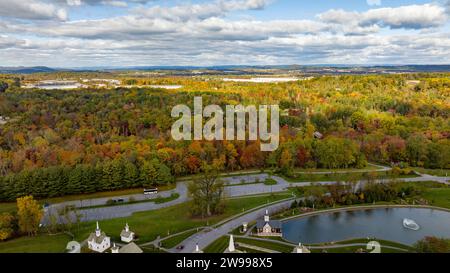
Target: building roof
[98,239]
[318,135]
[126,234]
[130,248]
[272,223]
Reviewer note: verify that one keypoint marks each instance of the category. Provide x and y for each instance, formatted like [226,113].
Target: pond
[381,223]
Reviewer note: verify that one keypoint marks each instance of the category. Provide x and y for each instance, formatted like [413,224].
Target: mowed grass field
[40,243]
[304,177]
[147,225]
[436,172]
[438,197]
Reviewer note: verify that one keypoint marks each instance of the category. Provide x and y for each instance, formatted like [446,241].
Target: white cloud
[117,3]
[31,9]
[205,34]
[201,11]
[408,17]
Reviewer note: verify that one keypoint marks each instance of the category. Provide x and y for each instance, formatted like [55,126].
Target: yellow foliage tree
[6,226]
[30,214]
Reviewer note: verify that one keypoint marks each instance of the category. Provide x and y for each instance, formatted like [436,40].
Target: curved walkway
[205,238]
[251,188]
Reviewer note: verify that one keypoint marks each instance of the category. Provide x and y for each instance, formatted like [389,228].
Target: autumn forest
[60,142]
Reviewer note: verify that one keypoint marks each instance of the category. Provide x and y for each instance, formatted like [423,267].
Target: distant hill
[26,70]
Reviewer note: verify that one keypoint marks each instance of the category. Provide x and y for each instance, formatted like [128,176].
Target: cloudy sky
[81,33]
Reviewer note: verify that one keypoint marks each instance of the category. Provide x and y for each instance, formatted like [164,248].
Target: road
[238,189]
[204,238]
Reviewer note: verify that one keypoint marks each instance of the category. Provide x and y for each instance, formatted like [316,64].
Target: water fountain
[410,224]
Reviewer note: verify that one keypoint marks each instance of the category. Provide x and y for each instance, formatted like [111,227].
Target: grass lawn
[249,250]
[368,168]
[225,174]
[264,244]
[343,176]
[438,197]
[436,172]
[175,240]
[270,182]
[218,246]
[385,247]
[151,249]
[147,225]
[384,243]
[40,243]
[353,249]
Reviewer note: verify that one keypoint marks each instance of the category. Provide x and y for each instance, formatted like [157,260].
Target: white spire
[127,228]
[266,216]
[231,245]
[98,231]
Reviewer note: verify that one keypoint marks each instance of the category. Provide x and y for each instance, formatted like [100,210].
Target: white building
[98,241]
[127,235]
[267,227]
[301,249]
[115,249]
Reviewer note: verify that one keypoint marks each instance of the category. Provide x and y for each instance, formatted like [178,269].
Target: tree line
[62,180]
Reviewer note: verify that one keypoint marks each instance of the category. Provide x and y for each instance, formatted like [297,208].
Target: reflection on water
[385,223]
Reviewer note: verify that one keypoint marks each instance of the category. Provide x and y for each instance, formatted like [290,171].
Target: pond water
[381,223]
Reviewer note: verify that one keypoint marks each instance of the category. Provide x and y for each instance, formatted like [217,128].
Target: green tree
[149,172]
[207,193]
[164,175]
[333,153]
[131,175]
[416,148]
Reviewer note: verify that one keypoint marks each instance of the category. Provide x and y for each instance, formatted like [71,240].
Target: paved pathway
[110,212]
[204,238]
